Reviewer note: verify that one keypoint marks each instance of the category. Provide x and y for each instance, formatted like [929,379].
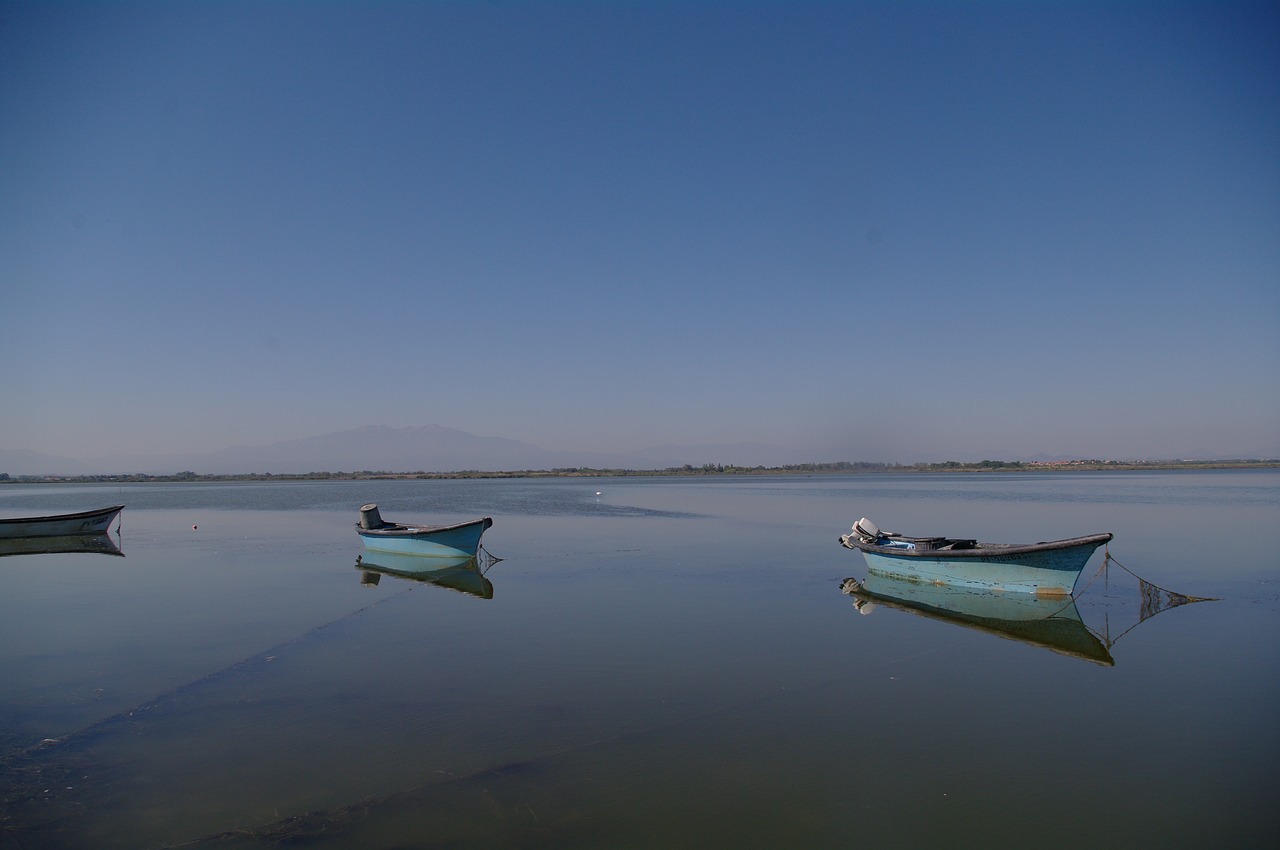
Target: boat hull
[447,541]
[1046,569]
[60,525]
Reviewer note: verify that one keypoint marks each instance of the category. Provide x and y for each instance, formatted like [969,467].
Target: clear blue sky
[874,231]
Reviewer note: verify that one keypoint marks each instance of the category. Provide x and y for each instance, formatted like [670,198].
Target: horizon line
[830,467]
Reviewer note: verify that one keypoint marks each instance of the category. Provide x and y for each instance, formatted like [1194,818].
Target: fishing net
[1156,599]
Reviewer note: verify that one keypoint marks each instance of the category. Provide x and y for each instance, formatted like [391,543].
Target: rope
[1182,597]
[1151,604]
[485,559]
[1101,569]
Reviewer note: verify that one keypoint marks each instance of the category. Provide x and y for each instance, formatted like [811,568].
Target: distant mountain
[736,454]
[27,462]
[435,448]
[1202,455]
[1207,455]
[429,448]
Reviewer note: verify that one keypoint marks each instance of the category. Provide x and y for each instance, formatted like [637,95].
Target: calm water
[669,663]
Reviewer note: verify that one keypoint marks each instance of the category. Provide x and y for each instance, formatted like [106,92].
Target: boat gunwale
[396,530]
[97,512]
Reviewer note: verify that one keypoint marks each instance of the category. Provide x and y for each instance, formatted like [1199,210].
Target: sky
[881,231]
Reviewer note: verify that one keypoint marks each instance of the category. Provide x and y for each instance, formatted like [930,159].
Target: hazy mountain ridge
[428,448]
[27,462]
[436,448]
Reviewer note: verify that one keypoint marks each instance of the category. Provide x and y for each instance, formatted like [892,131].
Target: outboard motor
[866,530]
[370,518]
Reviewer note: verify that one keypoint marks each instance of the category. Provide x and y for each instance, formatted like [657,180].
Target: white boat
[59,525]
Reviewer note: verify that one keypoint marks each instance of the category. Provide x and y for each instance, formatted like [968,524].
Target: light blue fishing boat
[1046,569]
[433,541]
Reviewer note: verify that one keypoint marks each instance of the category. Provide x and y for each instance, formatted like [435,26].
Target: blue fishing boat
[433,541]
[1048,569]
[1049,623]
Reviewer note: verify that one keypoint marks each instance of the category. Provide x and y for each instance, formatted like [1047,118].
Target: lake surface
[663,662]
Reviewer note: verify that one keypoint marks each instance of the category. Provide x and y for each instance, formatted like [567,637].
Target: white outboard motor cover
[866,529]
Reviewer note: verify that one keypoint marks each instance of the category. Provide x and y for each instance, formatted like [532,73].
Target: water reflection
[1053,624]
[101,544]
[463,574]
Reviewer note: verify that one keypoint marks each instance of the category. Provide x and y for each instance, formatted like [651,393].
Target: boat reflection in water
[100,543]
[463,574]
[1053,624]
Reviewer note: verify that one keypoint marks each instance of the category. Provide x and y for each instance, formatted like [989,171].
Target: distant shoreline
[706,470]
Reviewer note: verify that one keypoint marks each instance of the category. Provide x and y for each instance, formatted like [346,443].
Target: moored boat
[58,525]
[1049,568]
[435,541]
[1049,623]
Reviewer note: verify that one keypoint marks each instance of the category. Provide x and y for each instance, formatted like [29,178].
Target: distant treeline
[835,468]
